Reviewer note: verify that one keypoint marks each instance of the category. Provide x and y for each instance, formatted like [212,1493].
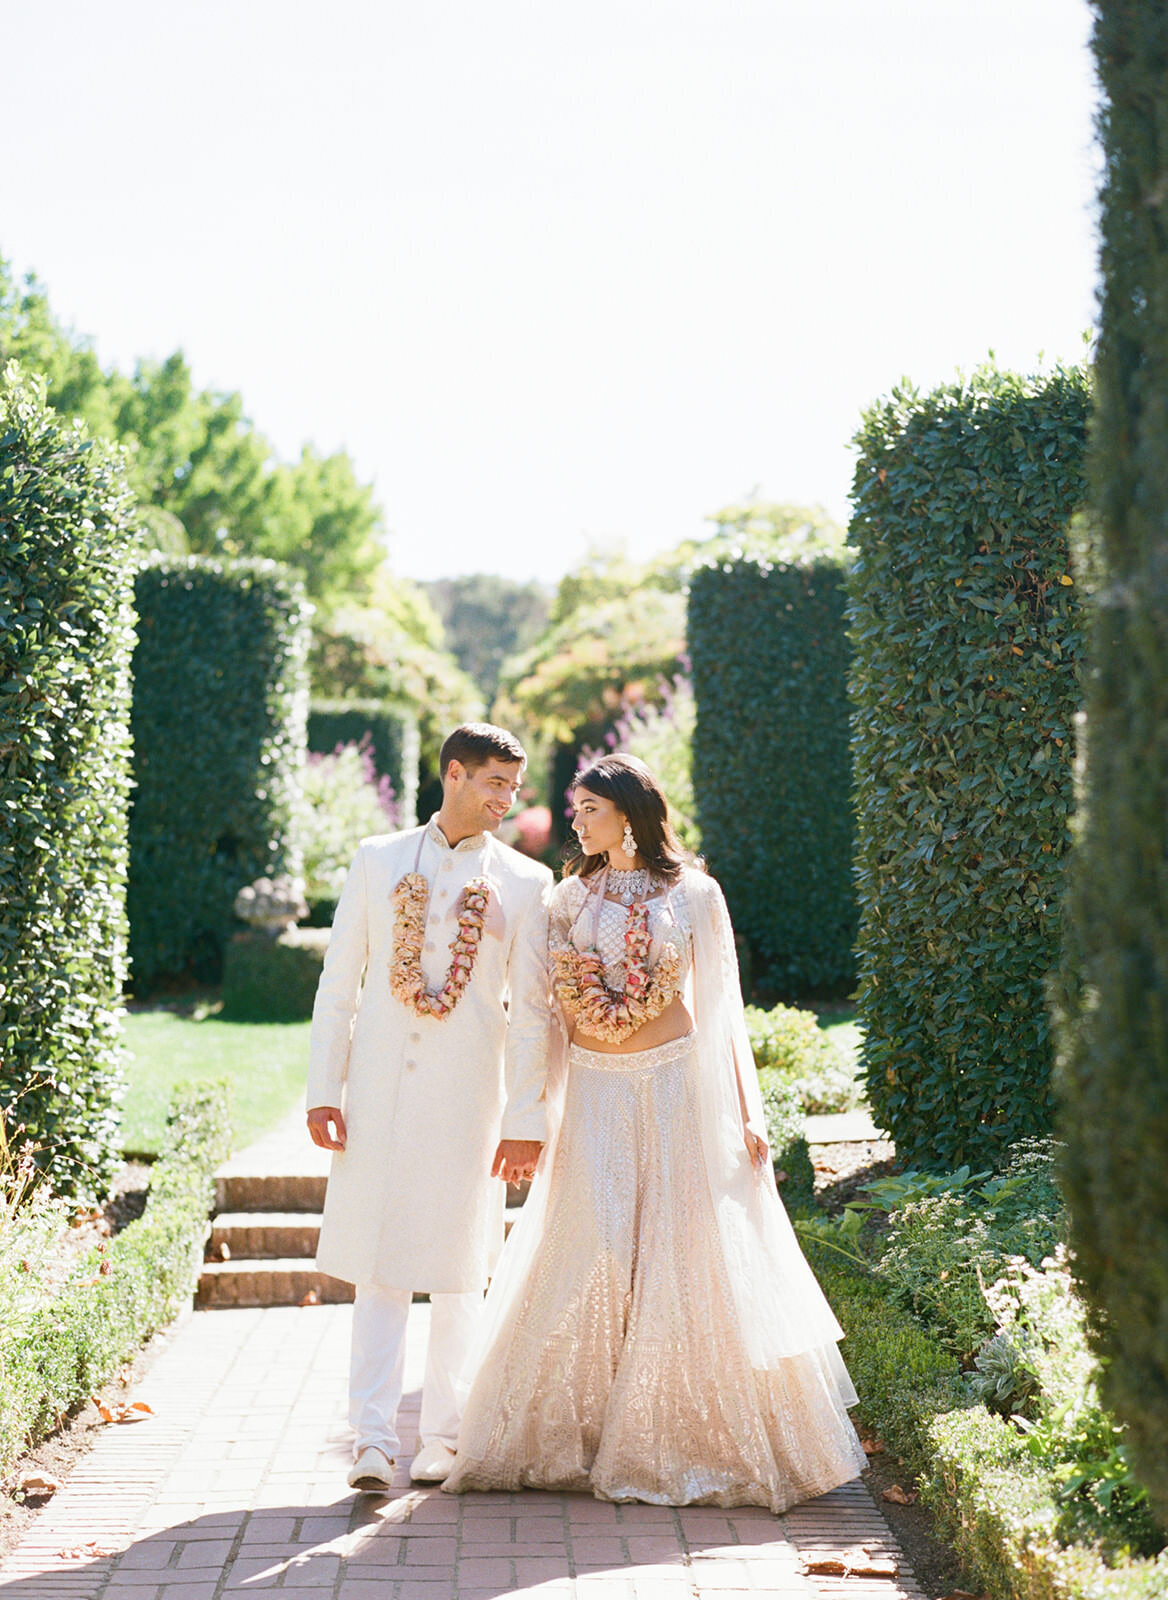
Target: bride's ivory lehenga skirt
[620,1367]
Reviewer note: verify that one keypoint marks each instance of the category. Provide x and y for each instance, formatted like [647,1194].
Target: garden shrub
[942,1250]
[269,979]
[218,719]
[64,1339]
[392,733]
[966,623]
[788,1143]
[66,633]
[789,1045]
[771,766]
[1113,1076]
[342,802]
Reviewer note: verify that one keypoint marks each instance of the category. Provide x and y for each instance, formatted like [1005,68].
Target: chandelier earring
[628,842]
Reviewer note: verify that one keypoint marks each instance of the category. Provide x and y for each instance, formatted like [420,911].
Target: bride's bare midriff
[673,1023]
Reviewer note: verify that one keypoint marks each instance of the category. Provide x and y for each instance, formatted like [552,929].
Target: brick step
[277,1282]
[269,1191]
[264,1235]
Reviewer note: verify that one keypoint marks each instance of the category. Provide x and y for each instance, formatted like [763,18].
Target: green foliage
[966,626]
[788,1143]
[272,980]
[660,733]
[789,1044]
[63,1337]
[772,771]
[941,1251]
[65,639]
[392,734]
[488,619]
[206,479]
[343,802]
[998,1502]
[218,723]
[1113,1006]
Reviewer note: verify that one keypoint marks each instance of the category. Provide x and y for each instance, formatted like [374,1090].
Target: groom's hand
[515,1159]
[319,1130]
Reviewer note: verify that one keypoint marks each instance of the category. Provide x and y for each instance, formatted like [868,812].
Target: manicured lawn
[265,1062]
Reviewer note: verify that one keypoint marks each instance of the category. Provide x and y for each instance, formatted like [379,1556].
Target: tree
[488,619]
[1112,1010]
[207,481]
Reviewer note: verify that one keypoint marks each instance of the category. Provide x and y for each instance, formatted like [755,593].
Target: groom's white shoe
[432,1463]
[372,1471]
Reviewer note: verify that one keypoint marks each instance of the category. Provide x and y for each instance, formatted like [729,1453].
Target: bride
[653,1331]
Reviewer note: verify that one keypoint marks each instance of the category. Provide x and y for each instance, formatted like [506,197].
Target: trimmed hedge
[771,766]
[1113,1076]
[123,1292]
[219,708]
[272,980]
[989,1496]
[66,632]
[967,625]
[393,737]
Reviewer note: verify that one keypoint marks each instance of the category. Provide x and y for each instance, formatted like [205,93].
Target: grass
[265,1062]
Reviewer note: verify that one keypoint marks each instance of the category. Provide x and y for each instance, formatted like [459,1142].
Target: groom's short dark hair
[475,743]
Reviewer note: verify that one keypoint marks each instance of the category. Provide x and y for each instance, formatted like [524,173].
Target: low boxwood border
[123,1293]
[990,1498]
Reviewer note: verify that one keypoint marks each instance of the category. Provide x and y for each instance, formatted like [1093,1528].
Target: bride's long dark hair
[635,792]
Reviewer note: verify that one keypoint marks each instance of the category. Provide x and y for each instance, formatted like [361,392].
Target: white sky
[556,271]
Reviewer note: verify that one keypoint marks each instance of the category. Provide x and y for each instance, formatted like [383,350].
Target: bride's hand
[756,1147]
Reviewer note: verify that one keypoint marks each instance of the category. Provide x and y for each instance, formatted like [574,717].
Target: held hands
[326,1127]
[515,1159]
[756,1147]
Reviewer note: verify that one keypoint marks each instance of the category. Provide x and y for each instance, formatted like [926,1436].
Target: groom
[426,1073]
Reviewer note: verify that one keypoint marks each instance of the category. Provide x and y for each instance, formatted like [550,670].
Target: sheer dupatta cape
[781,1309]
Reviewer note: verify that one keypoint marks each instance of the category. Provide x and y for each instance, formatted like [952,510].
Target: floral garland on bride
[407,981]
[603,1013]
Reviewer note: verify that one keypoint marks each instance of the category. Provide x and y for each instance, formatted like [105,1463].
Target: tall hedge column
[966,625]
[1114,1033]
[66,632]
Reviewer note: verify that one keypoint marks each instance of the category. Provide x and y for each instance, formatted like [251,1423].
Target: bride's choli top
[583,925]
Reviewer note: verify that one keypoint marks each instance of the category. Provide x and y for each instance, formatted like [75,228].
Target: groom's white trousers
[377,1366]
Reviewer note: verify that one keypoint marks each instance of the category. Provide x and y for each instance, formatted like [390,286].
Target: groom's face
[481,797]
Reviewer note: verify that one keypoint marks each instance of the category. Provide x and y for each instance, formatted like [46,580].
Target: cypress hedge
[966,625]
[771,765]
[1113,1008]
[393,741]
[219,709]
[66,633]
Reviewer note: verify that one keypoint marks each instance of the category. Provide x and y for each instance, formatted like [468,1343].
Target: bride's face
[597,823]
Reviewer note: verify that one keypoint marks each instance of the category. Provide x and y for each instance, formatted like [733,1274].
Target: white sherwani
[410,1202]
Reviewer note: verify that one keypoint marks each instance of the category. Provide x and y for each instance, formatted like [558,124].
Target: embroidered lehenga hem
[617,1362]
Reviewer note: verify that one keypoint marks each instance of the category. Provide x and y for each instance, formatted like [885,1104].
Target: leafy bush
[392,736]
[65,640]
[1114,1005]
[941,1251]
[660,733]
[61,1340]
[770,661]
[343,802]
[789,1045]
[218,720]
[966,625]
[272,980]
[788,1142]
[991,1495]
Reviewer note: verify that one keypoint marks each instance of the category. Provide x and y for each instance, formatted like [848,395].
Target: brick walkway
[235,1484]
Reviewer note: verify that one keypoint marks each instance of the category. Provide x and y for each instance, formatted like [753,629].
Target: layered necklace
[629,885]
[411,902]
[609,1014]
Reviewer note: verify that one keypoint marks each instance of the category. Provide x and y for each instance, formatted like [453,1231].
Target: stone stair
[264,1231]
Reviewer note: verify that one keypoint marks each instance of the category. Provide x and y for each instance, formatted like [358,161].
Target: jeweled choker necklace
[628,886]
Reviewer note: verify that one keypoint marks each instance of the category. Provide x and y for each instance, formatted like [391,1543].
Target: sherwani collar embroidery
[474,841]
